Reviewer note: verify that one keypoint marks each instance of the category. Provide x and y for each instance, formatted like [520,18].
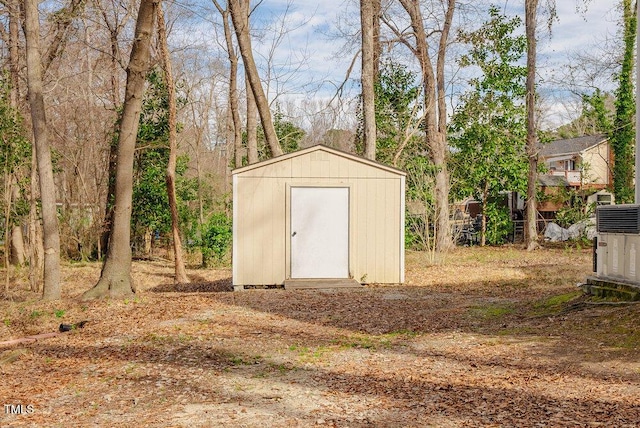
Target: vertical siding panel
[353,231]
[246,249]
[314,166]
[359,170]
[392,257]
[359,265]
[346,168]
[273,170]
[357,268]
[266,261]
[235,258]
[295,167]
[397,230]
[262,222]
[389,250]
[326,167]
[381,227]
[384,223]
[370,214]
[255,206]
[402,214]
[334,167]
[359,234]
[278,232]
[305,166]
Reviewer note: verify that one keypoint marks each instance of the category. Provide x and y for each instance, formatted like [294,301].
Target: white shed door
[319,232]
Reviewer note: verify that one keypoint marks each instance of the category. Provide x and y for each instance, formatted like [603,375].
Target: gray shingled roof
[547,180]
[571,145]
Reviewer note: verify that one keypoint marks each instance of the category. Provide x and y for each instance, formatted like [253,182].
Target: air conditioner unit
[617,246]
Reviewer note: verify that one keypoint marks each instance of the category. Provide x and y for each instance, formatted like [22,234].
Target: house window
[570,165]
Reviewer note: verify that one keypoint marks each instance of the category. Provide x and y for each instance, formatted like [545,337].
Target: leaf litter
[486,338]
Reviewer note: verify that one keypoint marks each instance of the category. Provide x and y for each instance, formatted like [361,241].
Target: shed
[318,217]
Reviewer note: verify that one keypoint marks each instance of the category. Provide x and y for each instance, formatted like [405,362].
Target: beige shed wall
[261,217]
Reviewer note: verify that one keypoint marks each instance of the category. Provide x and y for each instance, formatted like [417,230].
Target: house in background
[585,162]
[552,188]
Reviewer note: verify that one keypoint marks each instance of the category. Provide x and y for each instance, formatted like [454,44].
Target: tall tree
[180,273]
[115,278]
[531,216]
[52,286]
[252,124]
[398,115]
[435,112]
[488,129]
[623,134]
[239,10]
[15,155]
[62,20]
[234,123]
[368,77]
[596,116]
[13,8]
[115,24]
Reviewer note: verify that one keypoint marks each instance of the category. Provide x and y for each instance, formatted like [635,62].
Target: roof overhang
[319,147]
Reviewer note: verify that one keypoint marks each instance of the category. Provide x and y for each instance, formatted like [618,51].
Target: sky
[589,33]
[309,60]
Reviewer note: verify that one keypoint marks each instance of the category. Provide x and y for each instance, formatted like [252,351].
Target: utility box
[617,247]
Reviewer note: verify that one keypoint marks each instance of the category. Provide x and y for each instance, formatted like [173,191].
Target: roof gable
[570,146]
[319,148]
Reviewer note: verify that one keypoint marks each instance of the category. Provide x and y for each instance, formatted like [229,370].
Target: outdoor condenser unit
[617,246]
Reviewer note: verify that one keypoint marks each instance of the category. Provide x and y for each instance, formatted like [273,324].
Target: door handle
[294,234]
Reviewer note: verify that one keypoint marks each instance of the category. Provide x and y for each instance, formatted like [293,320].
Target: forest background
[306,88]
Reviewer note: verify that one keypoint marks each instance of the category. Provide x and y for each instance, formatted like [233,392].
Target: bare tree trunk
[444,239]
[252,124]
[52,287]
[17,237]
[62,20]
[115,279]
[7,225]
[36,248]
[14,46]
[434,113]
[234,107]
[377,47]
[107,221]
[114,29]
[240,16]
[367,78]
[180,271]
[531,227]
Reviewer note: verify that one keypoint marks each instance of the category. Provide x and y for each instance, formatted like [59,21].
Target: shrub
[217,236]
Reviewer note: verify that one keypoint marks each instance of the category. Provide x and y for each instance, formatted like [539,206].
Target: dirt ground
[487,338]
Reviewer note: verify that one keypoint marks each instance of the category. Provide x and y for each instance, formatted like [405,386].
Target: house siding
[596,161]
